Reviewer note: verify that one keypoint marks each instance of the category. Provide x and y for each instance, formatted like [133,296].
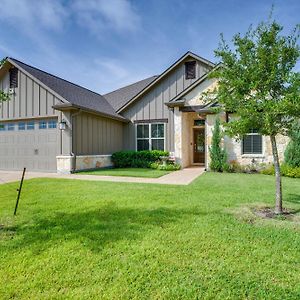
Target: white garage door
[32,144]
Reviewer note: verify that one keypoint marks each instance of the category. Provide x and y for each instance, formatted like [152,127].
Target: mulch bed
[268,213]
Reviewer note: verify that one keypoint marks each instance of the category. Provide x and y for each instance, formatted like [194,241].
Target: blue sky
[106,44]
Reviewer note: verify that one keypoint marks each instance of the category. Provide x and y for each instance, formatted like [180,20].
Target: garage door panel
[34,149]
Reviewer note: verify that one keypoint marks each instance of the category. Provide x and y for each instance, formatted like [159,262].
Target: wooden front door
[199,145]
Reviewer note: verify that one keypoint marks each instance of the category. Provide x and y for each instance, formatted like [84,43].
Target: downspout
[72,140]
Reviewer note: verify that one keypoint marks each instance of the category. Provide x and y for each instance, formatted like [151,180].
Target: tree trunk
[278,203]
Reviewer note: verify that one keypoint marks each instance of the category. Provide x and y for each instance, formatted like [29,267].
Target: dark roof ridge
[54,76]
[129,85]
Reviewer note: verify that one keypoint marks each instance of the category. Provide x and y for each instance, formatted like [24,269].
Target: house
[51,124]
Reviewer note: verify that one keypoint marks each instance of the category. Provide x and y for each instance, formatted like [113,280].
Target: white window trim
[254,155]
[150,138]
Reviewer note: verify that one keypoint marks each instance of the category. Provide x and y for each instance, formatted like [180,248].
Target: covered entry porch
[192,136]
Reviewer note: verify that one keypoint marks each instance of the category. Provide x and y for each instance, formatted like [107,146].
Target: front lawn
[78,239]
[128,172]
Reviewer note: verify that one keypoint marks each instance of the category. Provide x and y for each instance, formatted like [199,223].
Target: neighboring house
[51,124]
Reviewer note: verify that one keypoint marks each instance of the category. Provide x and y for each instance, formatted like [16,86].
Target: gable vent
[13,78]
[190,70]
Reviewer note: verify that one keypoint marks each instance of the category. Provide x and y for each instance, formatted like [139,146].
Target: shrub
[218,155]
[137,159]
[235,167]
[166,167]
[286,170]
[292,152]
[269,170]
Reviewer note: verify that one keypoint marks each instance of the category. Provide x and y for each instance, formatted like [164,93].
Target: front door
[199,145]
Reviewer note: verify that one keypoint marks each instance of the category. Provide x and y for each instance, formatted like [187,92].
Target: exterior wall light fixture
[62,125]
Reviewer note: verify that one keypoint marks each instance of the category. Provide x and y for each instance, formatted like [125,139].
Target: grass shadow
[93,228]
[293,198]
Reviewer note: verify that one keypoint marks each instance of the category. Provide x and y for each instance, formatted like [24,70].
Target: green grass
[105,240]
[129,172]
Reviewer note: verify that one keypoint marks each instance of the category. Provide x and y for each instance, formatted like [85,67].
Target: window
[190,70]
[199,122]
[21,126]
[157,137]
[150,136]
[13,78]
[252,143]
[52,124]
[42,125]
[143,137]
[30,126]
[2,127]
[10,126]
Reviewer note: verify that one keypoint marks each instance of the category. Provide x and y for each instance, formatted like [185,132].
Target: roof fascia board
[38,81]
[69,106]
[205,61]
[167,71]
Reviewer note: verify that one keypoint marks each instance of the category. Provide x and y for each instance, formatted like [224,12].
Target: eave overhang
[73,107]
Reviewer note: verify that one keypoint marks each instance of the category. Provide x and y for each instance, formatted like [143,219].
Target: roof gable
[179,98]
[68,91]
[164,74]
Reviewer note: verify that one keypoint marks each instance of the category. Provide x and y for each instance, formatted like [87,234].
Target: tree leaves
[257,80]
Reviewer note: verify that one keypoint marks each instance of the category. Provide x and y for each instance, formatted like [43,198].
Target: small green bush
[292,152]
[285,169]
[136,159]
[235,167]
[167,167]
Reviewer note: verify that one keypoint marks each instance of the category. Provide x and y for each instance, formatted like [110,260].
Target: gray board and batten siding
[94,134]
[29,99]
[22,142]
[151,105]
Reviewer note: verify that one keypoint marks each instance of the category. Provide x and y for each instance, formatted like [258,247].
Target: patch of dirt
[268,213]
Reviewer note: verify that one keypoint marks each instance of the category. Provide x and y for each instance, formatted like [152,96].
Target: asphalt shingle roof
[71,92]
[120,97]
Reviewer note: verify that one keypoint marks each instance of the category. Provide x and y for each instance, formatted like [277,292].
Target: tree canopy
[257,81]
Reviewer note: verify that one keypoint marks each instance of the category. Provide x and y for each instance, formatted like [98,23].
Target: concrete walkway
[182,177]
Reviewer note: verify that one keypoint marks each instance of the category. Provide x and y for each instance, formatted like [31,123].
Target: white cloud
[35,20]
[28,14]
[96,15]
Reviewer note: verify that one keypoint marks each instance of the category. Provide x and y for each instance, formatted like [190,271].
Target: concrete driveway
[181,177]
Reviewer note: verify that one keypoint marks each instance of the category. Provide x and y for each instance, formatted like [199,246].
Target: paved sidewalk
[181,177]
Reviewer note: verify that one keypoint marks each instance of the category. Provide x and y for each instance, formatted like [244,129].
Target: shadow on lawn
[293,198]
[95,228]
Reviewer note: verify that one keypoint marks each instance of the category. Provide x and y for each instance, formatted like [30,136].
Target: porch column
[178,135]
[65,159]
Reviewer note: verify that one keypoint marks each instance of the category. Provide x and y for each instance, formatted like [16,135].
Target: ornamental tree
[3,96]
[257,81]
[218,155]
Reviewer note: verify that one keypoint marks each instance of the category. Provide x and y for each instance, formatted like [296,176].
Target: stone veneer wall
[234,148]
[83,162]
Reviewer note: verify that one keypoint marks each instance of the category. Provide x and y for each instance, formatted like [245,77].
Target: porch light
[62,125]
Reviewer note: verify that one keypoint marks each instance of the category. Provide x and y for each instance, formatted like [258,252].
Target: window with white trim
[30,126]
[150,136]
[252,143]
[52,124]
[21,126]
[2,127]
[42,124]
[10,126]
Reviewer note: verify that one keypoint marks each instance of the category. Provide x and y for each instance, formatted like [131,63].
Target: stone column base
[67,163]
[64,164]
